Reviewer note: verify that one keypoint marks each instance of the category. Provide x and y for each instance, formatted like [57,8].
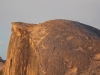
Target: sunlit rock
[55,47]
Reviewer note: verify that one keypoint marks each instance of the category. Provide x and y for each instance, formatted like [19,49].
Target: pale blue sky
[37,11]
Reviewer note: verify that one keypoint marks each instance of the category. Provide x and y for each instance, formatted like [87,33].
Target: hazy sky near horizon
[37,11]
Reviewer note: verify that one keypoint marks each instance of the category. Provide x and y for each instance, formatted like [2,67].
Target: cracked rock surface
[55,47]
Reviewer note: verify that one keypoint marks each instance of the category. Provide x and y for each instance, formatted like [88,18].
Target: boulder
[54,47]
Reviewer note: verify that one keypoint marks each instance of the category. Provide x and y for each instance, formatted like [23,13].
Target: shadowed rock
[55,47]
[2,63]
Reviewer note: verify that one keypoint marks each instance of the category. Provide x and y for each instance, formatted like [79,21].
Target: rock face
[2,62]
[1,65]
[55,47]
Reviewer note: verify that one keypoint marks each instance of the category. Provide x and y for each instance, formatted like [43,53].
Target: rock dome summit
[54,47]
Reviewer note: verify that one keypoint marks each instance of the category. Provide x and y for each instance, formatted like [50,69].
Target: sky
[38,11]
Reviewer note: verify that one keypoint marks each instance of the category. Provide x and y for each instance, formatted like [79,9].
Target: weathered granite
[55,47]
